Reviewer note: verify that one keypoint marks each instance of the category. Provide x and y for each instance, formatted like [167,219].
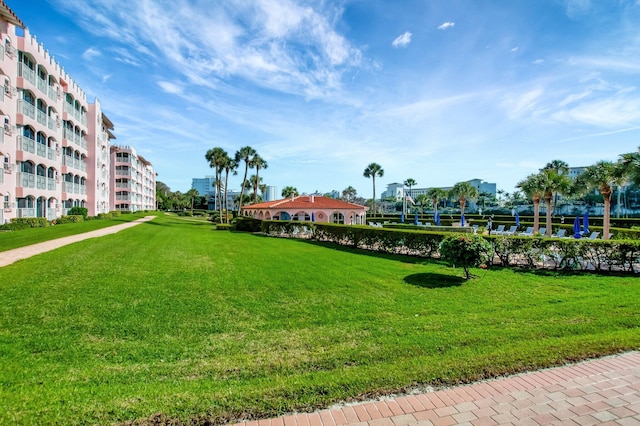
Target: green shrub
[465,251]
[69,219]
[78,211]
[248,224]
[115,213]
[223,226]
[28,222]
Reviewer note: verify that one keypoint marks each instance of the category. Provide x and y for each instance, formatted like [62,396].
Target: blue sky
[439,91]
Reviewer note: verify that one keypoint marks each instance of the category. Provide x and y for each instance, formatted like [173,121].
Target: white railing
[41,150]
[26,108]
[41,182]
[52,123]
[52,93]
[69,187]
[83,119]
[51,215]
[1,175]
[51,184]
[123,185]
[68,134]
[27,73]
[123,197]
[41,117]
[68,108]
[26,144]
[25,180]
[42,85]
[1,134]
[1,57]
[10,51]
[83,142]
[123,172]
[83,189]
[27,212]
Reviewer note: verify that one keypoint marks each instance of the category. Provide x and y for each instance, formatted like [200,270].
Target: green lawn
[14,239]
[175,319]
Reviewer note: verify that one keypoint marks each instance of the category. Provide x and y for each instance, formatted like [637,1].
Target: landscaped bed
[173,320]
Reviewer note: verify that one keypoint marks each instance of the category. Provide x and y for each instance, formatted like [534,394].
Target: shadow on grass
[434,280]
[391,256]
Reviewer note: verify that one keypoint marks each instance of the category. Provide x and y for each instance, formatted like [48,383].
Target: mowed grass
[175,320]
[14,239]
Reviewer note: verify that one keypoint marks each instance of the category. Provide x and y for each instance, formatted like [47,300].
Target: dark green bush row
[72,218]
[533,252]
[17,224]
[248,224]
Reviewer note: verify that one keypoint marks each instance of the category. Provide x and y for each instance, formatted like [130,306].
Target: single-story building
[312,208]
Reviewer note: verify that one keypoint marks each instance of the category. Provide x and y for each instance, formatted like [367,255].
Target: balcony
[52,93]
[68,108]
[41,117]
[52,123]
[42,85]
[124,185]
[46,152]
[123,172]
[76,163]
[25,180]
[26,108]
[27,73]
[26,144]
[1,175]
[1,134]
[27,212]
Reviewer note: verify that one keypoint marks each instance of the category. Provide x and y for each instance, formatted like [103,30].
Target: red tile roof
[8,15]
[306,202]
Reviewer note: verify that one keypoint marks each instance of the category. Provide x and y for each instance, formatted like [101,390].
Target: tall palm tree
[631,166]
[254,183]
[533,188]
[349,193]
[423,200]
[464,191]
[552,183]
[229,165]
[259,163]
[560,168]
[436,194]
[246,153]
[191,195]
[289,191]
[410,183]
[373,170]
[603,176]
[216,157]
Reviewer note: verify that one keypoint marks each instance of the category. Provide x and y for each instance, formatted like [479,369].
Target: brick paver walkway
[10,256]
[605,391]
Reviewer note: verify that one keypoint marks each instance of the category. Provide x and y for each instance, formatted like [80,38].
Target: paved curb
[11,256]
[602,391]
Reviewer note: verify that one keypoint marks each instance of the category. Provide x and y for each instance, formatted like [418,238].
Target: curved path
[604,391]
[10,256]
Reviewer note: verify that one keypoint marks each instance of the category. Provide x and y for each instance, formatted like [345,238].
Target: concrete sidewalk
[10,256]
[605,391]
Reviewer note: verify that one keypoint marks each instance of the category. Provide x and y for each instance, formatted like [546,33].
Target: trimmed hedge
[17,224]
[511,251]
[248,224]
[72,218]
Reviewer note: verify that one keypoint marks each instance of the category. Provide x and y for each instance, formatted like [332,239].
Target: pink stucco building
[308,208]
[54,144]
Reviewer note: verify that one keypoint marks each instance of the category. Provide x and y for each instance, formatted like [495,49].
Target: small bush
[223,226]
[78,211]
[28,222]
[465,251]
[248,224]
[69,219]
[115,213]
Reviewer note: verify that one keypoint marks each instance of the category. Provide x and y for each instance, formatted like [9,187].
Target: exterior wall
[99,136]
[133,180]
[348,217]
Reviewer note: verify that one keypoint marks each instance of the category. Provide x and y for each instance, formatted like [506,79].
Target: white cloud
[402,40]
[90,53]
[447,25]
[172,88]
[538,61]
[515,49]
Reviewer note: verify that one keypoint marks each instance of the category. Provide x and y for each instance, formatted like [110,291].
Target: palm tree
[436,194]
[349,193]
[373,170]
[533,188]
[423,200]
[631,166]
[464,191]
[191,195]
[552,183]
[246,153]
[216,158]
[254,183]
[259,163]
[410,183]
[603,176]
[560,168]
[289,191]
[230,165]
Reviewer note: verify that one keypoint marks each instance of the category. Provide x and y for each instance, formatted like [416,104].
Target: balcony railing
[27,73]
[42,85]
[52,93]
[121,172]
[68,108]
[68,134]
[51,214]
[51,184]
[27,212]
[25,180]
[46,152]
[123,185]
[41,182]
[41,117]
[26,144]
[52,123]
[1,134]
[1,175]
[26,108]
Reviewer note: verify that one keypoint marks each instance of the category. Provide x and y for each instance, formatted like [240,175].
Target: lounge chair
[562,233]
[512,230]
[594,235]
[498,231]
[542,231]
[528,232]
